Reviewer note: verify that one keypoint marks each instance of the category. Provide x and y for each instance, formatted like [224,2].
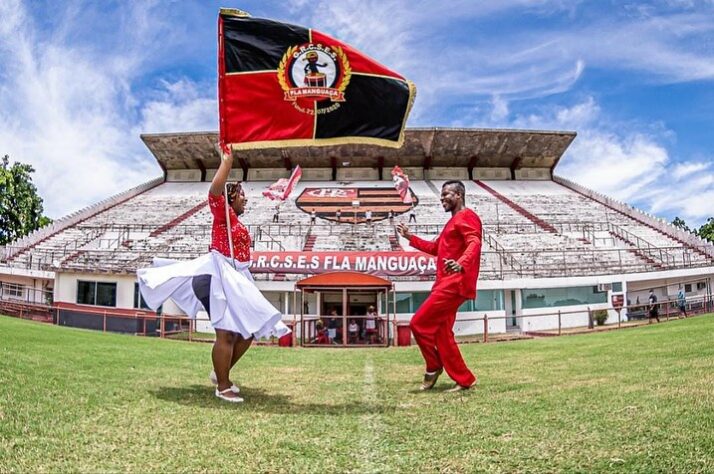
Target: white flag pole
[228,214]
[228,225]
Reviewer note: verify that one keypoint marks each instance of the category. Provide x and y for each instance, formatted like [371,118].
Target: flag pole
[222,155]
[228,225]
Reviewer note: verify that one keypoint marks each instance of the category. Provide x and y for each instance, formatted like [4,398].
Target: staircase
[309,241]
[173,223]
[536,220]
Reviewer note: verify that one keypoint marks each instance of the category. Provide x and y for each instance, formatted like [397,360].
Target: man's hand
[452,266]
[404,230]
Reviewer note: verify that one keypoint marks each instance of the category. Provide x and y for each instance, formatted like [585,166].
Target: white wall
[183,175]
[446,173]
[267,174]
[351,174]
[66,287]
[577,316]
[491,173]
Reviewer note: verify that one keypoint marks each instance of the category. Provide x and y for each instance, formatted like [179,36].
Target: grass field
[635,400]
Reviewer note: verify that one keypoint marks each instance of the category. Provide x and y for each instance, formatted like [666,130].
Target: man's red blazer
[460,240]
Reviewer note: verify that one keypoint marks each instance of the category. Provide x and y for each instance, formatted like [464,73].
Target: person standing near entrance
[652,306]
[682,302]
[458,251]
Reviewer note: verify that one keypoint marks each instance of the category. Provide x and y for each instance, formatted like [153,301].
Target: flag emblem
[310,73]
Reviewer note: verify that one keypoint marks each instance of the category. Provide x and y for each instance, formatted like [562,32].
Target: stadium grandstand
[554,252]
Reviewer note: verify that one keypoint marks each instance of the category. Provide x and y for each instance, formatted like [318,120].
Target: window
[12,290]
[86,291]
[98,293]
[553,297]
[617,287]
[139,302]
[687,287]
[487,300]
[701,285]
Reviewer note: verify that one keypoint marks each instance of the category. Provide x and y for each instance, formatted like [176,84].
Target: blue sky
[80,80]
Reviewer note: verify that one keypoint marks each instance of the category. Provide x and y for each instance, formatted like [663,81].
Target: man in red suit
[458,251]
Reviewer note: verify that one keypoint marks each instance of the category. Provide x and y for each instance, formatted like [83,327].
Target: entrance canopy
[335,280]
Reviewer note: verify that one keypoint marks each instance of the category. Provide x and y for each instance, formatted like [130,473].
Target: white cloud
[623,161]
[69,110]
[682,170]
[412,38]
[626,167]
[179,107]
[667,43]
[500,108]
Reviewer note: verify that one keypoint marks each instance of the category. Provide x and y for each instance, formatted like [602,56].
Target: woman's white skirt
[236,303]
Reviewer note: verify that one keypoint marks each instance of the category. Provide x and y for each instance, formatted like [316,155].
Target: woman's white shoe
[214,380]
[221,395]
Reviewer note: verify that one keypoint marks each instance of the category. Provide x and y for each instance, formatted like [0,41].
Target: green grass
[635,400]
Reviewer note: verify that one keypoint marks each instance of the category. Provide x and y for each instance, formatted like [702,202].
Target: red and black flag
[284,85]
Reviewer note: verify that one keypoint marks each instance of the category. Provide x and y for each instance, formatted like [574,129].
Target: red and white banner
[401,183]
[282,188]
[384,264]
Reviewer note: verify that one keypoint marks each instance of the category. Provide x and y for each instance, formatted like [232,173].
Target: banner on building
[286,85]
[384,264]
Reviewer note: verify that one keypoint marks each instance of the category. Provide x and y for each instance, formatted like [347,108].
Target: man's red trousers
[433,329]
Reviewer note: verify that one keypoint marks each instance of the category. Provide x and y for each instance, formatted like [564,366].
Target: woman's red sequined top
[219,233]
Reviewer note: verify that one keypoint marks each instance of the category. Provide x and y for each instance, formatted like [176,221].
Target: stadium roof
[423,147]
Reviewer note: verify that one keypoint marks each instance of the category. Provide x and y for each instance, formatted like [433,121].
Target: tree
[20,205]
[680,224]
[706,231]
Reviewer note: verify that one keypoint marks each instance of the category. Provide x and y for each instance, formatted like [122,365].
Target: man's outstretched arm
[426,246]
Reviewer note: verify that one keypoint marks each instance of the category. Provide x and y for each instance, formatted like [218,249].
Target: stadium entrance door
[344,318]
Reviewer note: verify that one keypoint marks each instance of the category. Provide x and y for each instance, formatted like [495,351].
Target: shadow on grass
[257,400]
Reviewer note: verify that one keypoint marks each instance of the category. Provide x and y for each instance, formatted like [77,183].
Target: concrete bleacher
[531,228]
[566,209]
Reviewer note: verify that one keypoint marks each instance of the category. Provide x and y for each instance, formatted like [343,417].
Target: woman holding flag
[220,283]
